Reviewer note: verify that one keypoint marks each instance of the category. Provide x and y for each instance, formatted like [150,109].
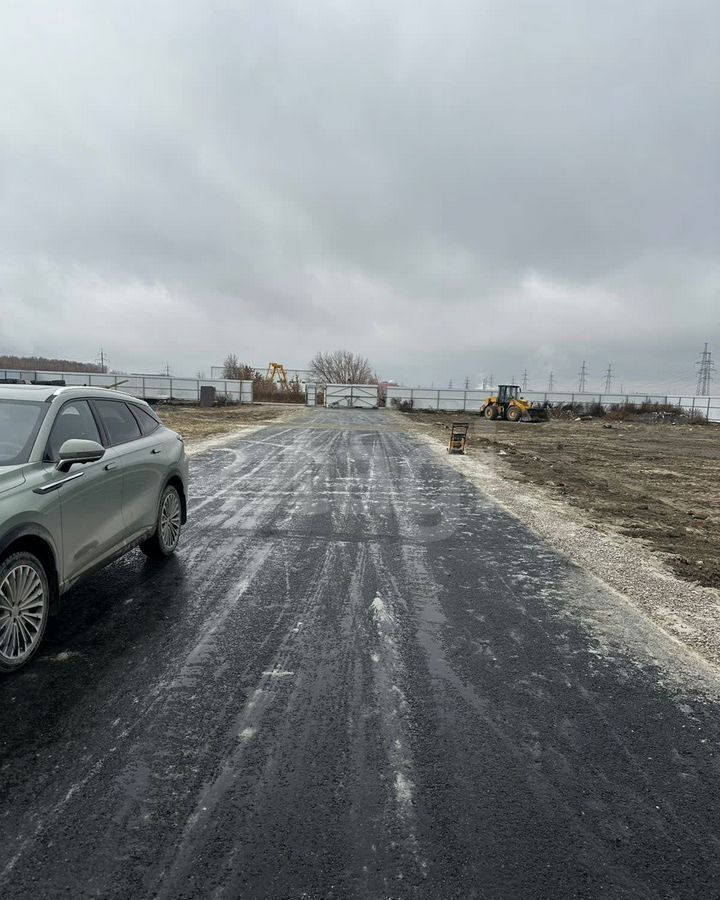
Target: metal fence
[148,387]
[472,400]
[362,396]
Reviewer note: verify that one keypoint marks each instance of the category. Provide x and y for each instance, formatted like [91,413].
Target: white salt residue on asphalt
[403,789]
[245,728]
[220,442]
[193,661]
[63,656]
[379,611]
[654,617]
[193,447]
[388,670]
[234,473]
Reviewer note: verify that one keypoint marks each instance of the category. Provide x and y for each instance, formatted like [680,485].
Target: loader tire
[490,412]
[513,414]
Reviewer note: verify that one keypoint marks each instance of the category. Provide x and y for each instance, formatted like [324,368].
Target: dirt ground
[660,483]
[196,423]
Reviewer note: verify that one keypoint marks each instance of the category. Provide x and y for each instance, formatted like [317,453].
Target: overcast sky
[451,189]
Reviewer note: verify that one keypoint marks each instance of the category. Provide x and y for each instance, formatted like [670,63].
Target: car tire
[167,527]
[24,606]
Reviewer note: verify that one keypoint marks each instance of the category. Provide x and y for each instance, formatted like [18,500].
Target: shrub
[402,405]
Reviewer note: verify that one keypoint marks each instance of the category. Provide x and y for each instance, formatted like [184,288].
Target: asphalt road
[357,678]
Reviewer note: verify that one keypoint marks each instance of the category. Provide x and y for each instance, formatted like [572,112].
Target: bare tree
[230,366]
[247,373]
[236,371]
[342,367]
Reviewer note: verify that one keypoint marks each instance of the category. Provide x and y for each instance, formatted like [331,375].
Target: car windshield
[19,424]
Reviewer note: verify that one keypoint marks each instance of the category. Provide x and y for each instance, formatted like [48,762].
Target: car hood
[10,477]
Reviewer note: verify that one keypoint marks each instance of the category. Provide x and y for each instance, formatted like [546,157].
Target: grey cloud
[449,190]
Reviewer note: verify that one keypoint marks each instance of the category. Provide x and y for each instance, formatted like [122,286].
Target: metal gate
[310,394]
[359,396]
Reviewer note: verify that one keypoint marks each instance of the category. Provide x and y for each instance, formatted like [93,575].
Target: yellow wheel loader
[508,404]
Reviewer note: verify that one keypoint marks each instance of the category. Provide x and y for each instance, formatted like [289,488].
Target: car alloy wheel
[23,611]
[170,520]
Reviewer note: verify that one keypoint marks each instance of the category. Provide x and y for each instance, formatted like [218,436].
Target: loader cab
[507,392]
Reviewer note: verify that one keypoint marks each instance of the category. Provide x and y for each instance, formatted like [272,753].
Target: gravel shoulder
[603,498]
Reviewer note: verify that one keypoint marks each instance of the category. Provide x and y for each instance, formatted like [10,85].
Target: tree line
[334,367]
[45,364]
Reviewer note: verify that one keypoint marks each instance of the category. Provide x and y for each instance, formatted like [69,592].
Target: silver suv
[86,474]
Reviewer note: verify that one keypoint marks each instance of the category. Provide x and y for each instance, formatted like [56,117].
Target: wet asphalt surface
[357,678]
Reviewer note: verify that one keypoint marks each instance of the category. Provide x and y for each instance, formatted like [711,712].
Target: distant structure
[706,367]
[583,378]
[551,381]
[608,379]
[524,381]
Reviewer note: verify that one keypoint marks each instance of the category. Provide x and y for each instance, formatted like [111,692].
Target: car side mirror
[79,451]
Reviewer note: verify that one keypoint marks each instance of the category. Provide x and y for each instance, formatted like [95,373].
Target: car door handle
[156,450]
[110,466]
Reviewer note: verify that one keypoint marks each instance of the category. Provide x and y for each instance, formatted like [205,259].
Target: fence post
[464,401]
[143,386]
[692,410]
[708,411]
[171,396]
[572,398]
[438,401]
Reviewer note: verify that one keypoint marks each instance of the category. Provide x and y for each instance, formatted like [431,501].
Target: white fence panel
[472,400]
[147,387]
[358,396]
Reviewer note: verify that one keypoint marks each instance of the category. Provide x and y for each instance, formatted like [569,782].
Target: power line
[608,379]
[705,369]
[583,378]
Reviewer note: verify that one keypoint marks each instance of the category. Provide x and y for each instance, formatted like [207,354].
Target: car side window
[119,422]
[147,423]
[74,421]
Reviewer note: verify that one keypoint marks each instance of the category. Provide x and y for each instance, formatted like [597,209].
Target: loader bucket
[538,414]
